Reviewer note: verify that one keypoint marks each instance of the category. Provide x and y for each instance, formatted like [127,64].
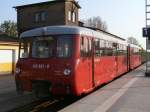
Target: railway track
[36,106]
[45,105]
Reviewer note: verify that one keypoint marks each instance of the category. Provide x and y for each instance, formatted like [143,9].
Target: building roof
[63,30]
[6,38]
[48,2]
[1,32]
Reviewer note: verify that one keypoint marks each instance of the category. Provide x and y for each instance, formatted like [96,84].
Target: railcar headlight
[18,70]
[67,72]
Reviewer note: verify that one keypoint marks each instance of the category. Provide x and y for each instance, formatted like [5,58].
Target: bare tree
[96,22]
[132,40]
[10,28]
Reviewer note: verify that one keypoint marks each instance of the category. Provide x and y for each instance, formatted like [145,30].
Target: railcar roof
[62,30]
[134,46]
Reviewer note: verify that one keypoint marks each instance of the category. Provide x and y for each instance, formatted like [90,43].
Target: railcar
[70,60]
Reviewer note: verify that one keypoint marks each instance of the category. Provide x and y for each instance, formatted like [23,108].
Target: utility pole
[146,33]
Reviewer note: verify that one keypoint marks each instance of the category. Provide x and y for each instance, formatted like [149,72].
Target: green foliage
[10,28]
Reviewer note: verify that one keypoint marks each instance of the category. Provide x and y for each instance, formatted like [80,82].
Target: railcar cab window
[43,47]
[64,46]
[24,49]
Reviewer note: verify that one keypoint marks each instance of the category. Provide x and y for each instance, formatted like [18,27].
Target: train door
[86,61]
[130,51]
[128,58]
[98,66]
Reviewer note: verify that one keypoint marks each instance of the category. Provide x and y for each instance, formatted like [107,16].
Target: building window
[43,16]
[73,17]
[69,15]
[37,17]
[40,16]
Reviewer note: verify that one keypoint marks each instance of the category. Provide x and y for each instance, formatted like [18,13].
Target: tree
[132,40]
[96,22]
[10,28]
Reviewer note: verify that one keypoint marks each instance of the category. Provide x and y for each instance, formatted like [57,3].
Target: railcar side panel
[104,69]
[135,60]
[121,64]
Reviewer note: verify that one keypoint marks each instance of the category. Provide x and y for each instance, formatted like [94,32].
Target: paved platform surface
[9,98]
[130,93]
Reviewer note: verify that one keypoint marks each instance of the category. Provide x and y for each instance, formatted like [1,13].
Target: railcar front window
[43,48]
[64,46]
[24,49]
[54,46]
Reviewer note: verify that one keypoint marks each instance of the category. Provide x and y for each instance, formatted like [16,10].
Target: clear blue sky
[124,18]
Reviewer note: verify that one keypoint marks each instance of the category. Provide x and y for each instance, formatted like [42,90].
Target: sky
[124,18]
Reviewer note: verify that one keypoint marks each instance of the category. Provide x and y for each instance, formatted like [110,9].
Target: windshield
[64,47]
[43,47]
[52,46]
[24,49]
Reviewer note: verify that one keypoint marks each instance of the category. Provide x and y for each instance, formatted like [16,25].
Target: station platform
[9,98]
[129,93]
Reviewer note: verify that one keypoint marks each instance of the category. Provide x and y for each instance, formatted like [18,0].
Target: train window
[90,45]
[107,44]
[109,48]
[97,47]
[100,47]
[84,47]
[125,49]
[43,48]
[24,49]
[119,50]
[108,52]
[64,47]
[122,50]
[135,51]
[97,44]
[82,41]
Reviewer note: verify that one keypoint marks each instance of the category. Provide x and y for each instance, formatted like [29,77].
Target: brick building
[56,12]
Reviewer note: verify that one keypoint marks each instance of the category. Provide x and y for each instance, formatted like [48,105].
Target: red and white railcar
[65,60]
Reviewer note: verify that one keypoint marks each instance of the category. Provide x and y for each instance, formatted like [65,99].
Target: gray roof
[58,30]
[52,30]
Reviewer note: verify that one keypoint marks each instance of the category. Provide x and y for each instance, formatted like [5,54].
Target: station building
[8,53]
[54,12]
